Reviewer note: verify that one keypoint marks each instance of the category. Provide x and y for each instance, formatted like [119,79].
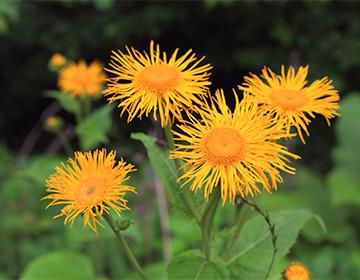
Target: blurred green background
[236,37]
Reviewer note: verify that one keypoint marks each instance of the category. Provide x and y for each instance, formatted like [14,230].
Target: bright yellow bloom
[80,79]
[297,271]
[57,60]
[237,150]
[90,185]
[290,100]
[146,83]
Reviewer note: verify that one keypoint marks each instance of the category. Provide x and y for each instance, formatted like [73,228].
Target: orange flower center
[158,78]
[289,99]
[89,191]
[224,146]
[297,272]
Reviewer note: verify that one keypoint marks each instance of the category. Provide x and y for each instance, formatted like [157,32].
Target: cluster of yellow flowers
[78,79]
[236,150]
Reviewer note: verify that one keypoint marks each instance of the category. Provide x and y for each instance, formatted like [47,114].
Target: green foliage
[192,265]
[308,190]
[39,168]
[66,101]
[344,179]
[252,252]
[59,265]
[287,36]
[155,271]
[164,167]
[94,129]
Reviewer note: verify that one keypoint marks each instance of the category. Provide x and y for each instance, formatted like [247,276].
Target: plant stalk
[126,246]
[66,144]
[207,221]
[239,221]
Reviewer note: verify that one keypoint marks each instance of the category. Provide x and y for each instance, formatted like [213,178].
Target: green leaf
[164,167]
[59,265]
[93,130]
[308,190]
[192,265]
[68,102]
[253,250]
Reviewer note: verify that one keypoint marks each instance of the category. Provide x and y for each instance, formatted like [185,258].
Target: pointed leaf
[252,252]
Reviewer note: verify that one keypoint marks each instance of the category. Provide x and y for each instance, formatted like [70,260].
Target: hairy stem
[126,246]
[272,230]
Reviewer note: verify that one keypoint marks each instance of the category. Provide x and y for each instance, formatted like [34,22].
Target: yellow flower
[146,83]
[290,100]
[90,185]
[297,271]
[80,80]
[237,150]
[53,123]
[57,60]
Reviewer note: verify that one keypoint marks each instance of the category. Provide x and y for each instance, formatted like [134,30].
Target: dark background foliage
[237,37]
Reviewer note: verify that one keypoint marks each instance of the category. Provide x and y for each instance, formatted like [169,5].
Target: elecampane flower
[153,83]
[297,271]
[89,185]
[80,79]
[235,150]
[290,100]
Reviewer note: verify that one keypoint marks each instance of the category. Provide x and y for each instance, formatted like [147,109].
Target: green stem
[190,202]
[86,104]
[66,144]
[207,221]
[239,221]
[186,193]
[126,246]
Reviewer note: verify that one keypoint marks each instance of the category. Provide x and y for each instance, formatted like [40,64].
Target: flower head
[80,79]
[290,100]
[145,83]
[89,185]
[57,60]
[237,150]
[297,271]
[53,123]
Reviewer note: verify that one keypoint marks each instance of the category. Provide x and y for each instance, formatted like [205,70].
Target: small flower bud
[123,224]
[53,124]
[56,61]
